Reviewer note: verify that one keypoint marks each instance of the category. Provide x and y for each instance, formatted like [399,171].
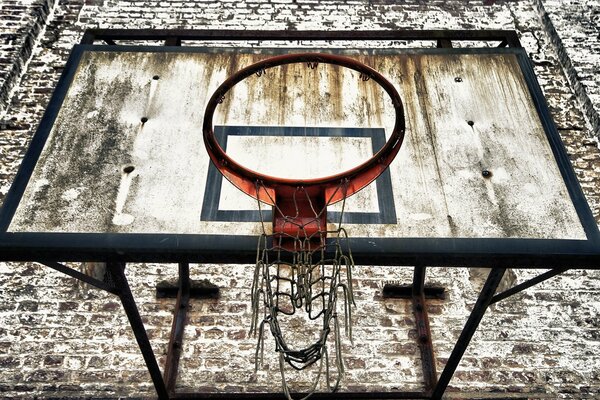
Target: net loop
[261,72]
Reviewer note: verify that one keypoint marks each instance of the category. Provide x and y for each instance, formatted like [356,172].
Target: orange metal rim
[352,180]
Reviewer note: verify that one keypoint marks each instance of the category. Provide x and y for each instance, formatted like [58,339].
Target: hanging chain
[307,278]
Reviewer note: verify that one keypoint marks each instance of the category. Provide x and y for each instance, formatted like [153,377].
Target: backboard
[118,168]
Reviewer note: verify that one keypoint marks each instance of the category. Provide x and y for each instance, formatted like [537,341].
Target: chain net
[303,273]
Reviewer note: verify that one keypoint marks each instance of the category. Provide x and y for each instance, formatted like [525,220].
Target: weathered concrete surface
[59,340]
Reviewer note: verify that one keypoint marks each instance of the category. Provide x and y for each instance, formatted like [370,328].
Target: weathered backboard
[118,167]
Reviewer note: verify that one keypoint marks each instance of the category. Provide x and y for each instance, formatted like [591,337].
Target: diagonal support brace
[527,284]
[117,271]
[483,301]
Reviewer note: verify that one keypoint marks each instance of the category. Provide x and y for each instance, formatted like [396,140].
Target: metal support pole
[117,271]
[483,301]
[179,321]
[444,44]
[423,330]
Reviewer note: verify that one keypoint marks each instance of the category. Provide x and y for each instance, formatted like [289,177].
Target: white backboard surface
[466,113]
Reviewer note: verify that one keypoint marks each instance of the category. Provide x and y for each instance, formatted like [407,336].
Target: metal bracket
[202,289]
[397,291]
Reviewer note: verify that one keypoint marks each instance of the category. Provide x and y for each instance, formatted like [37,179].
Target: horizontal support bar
[279,396]
[225,249]
[507,36]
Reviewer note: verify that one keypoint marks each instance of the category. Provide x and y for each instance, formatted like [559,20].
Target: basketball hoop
[298,253]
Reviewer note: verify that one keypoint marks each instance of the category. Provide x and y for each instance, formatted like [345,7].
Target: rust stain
[282,95]
[334,94]
[422,95]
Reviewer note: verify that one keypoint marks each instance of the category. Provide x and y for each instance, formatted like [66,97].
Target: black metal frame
[172,247]
[118,249]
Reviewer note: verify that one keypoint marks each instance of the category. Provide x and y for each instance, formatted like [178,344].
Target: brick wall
[58,338]
[22,23]
[574,29]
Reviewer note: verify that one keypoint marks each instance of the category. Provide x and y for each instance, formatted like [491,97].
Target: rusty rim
[352,180]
